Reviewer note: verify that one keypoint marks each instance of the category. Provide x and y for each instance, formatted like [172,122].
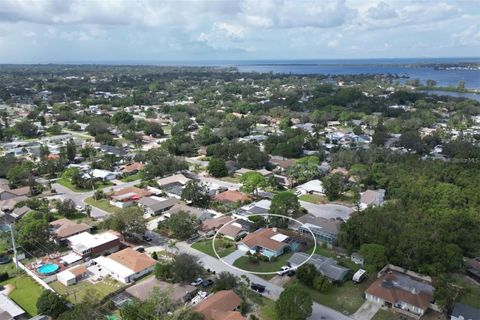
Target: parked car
[79,207]
[140,249]
[207,283]
[197,282]
[193,238]
[257,287]
[291,273]
[283,270]
[146,238]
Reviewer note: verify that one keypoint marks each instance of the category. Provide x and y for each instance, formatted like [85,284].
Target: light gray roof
[326,266]
[331,226]
[467,312]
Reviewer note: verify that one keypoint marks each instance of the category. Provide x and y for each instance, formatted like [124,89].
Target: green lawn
[313,198]
[77,292]
[384,315]
[68,184]
[471,292]
[26,293]
[263,266]
[264,308]
[132,177]
[103,204]
[347,297]
[221,246]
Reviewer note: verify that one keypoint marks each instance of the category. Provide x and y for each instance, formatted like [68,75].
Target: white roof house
[86,243]
[10,307]
[103,174]
[312,186]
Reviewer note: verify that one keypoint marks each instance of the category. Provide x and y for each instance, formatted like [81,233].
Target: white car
[79,207]
[283,270]
[197,282]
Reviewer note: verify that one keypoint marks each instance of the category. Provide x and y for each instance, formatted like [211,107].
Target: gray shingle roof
[467,312]
[326,266]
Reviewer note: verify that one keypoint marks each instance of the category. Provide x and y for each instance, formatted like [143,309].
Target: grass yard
[26,293]
[313,198]
[263,266]
[471,293]
[264,308]
[347,297]
[103,204]
[77,292]
[132,177]
[221,246]
[68,184]
[384,315]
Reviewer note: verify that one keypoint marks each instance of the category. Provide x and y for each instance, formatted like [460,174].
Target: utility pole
[14,245]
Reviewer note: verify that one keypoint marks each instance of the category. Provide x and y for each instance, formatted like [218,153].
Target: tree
[181,224]
[306,273]
[54,129]
[321,283]
[374,255]
[128,221]
[26,128]
[164,271]
[225,281]
[71,150]
[285,203]
[294,303]
[66,208]
[121,117]
[159,164]
[32,230]
[251,157]
[97,127]
[217,168]
[381,135]
[196,193]
[186,267]
[252,181]
[51,304]
[333,185]
[304,169]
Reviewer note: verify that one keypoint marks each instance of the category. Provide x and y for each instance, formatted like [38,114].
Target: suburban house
[18,213]
[86,244]
[259,207]
[464,312]
[311,187]
[268,242]
[104,175]
[263,172]
[404,291]
[220,306]
[143,290]
[154,207]
[173,185]
[231,196]
[9,309]
[371,198]
[126,265]
[132,168]
[128,196]
[6,193]
[72,275]
[64,228]
[211,225]
[233,231]
[200,214]
[328,267]
[325,230]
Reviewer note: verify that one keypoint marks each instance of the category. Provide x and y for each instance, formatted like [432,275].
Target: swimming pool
[48,268]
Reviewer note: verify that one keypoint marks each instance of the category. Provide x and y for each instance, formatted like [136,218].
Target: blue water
[48,268]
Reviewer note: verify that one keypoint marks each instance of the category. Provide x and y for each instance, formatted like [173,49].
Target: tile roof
[136,166]
[394,286]
[220,306]
[65,228]
[231,196]
[133,259]
[262,238]
[135,190]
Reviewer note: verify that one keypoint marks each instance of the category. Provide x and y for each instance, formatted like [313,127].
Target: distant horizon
[169,61]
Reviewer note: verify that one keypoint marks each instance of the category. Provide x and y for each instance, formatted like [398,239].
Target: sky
[49,31]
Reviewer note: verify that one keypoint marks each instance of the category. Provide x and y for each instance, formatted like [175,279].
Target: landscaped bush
[4,276]
[253,259]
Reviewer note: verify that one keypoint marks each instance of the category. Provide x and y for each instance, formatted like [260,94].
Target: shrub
[4,276]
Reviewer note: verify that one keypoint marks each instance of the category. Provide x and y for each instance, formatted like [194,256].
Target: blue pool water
[48,268]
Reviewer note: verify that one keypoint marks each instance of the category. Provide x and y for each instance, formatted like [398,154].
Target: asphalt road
[319,312]
[79,197]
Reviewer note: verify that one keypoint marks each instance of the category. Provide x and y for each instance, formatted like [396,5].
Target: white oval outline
[264,214]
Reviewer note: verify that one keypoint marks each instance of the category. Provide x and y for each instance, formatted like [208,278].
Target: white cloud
[224,36]
[468,37]
[382,11]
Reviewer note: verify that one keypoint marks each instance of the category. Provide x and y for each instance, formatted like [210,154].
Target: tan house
[220,306]
[64,228]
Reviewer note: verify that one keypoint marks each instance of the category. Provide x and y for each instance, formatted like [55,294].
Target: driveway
[272,290]
[367,311]
[233,256]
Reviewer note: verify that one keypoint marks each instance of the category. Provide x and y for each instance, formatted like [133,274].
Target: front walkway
[230,259]
[367,311]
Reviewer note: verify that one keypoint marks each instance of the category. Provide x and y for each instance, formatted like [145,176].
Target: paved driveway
[366,311]
[272,290]
[233,256]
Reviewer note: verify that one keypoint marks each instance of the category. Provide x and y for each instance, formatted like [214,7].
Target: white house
[126,265]
[105,175]
[312,187]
